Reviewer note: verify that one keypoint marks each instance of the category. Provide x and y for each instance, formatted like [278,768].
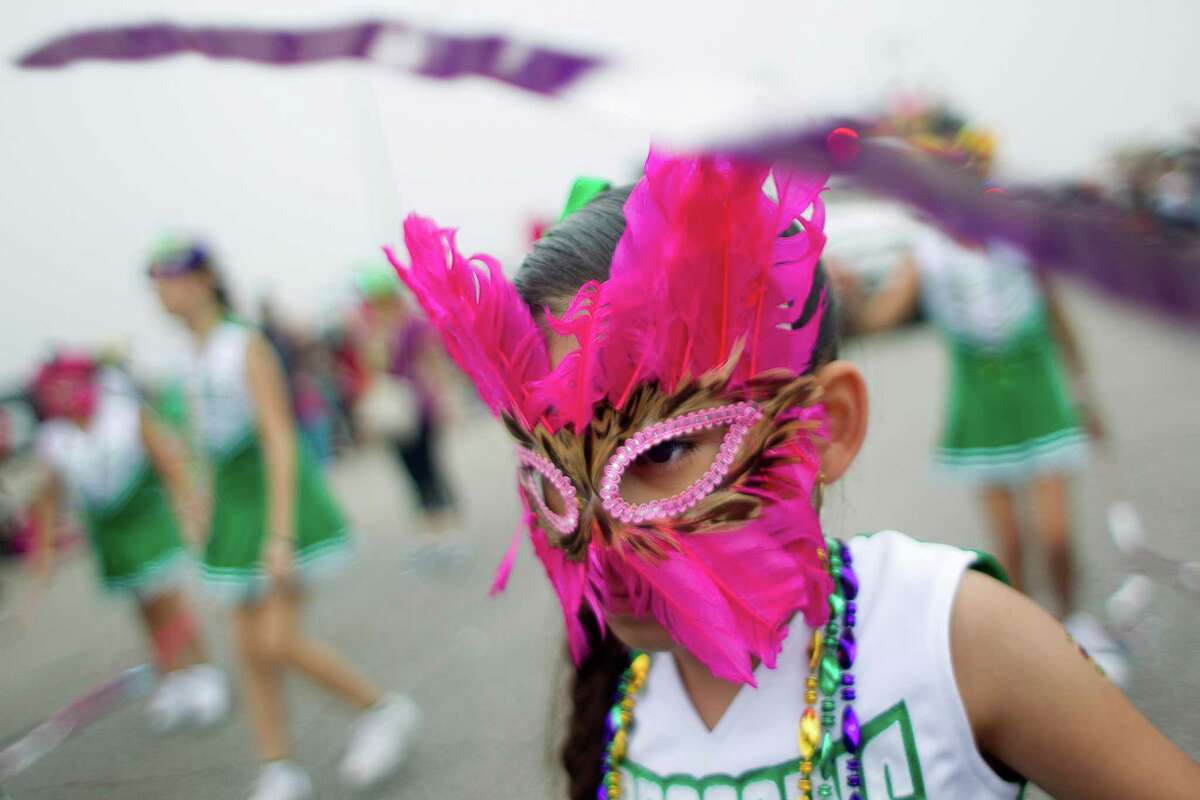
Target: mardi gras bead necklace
[829,671]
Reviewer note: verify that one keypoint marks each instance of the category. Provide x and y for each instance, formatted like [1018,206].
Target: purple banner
[132,684]
[424,52]
[1095,241]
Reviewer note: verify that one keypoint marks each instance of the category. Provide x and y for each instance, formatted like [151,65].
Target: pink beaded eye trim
[740,417]
[564,524]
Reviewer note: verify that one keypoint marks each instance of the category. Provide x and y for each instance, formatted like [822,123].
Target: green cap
[376,278]
[583,191]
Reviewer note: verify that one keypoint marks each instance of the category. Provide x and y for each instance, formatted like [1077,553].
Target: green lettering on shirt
[886,775]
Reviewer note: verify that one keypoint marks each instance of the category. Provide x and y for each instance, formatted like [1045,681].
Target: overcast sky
[296,173]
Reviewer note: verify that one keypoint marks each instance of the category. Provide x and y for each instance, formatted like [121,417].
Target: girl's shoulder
[907,675]
[226,347]
[907,592]
[897,559]
[52,441]
[233,330]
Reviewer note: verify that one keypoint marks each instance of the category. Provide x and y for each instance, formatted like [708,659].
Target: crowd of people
[1160,184]
[219,471]
[666,360]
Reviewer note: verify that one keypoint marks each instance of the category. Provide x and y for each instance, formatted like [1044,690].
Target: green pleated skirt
[136,539]
[1009,415]
[233,564]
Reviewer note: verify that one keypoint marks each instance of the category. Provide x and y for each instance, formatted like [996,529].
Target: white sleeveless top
[983,295]
[917,740]
[101,462]
[219,400]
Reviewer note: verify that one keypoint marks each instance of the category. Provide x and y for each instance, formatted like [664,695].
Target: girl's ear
[844,396]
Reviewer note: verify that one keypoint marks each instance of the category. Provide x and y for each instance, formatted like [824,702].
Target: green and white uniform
[1009,415]
[223,421]
[916,738]
[128,514]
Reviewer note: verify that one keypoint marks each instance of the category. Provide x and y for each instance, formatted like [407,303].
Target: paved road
[485,670]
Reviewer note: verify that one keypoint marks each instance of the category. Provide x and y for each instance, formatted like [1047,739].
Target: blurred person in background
[274,529]
[407,400]
[278,335]
[1176,195]
[18,478]
[296,358]
[131,481]
[1019,408]
[304,367]
[314,396]
[349,378]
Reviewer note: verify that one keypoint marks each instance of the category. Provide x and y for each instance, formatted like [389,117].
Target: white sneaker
[282,780]
[167,709]
[1129,605]
[379,741]
[207,695]
[1108,654]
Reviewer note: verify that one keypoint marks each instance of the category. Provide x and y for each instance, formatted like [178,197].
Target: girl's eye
[665,469]
[666,452]
[550,496]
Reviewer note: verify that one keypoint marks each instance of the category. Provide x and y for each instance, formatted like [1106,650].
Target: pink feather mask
[694,331]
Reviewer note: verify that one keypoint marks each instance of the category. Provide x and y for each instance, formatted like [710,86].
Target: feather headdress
[698,326]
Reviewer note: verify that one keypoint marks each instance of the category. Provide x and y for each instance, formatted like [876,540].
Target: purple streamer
[1100,244]
[131,684]
[536,69]
[1097,243]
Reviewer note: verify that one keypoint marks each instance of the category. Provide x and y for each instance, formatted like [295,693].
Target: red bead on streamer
[843,145]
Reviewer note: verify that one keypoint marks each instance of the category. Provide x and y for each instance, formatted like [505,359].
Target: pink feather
[569,580]
[505,567]
[728,597]
[688,284]
[572,389]
[486,327]
[679,595]
[688,287]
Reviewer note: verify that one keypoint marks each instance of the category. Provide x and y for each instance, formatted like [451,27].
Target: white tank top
[219,400]
[917,740]
[101,462]
[985,296]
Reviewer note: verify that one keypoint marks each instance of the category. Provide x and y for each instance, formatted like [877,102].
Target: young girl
[402,353]
[666,365]
[1014,424]
[274,528]
[132,484]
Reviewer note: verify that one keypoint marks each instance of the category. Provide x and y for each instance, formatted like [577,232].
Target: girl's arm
[1064,334]
[46,519]
[170,461]
[1040,707]
[278,435]
[891,305]
[432,365]
[1068,344]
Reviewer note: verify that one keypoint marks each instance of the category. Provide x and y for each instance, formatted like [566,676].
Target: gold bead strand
[809,734]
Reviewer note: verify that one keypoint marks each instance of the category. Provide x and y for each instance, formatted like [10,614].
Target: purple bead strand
[847,656]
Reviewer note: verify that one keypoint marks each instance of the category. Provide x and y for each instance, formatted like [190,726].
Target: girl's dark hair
[179,256]
[221,294]
[207,264]
[577,250]
[592,688]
